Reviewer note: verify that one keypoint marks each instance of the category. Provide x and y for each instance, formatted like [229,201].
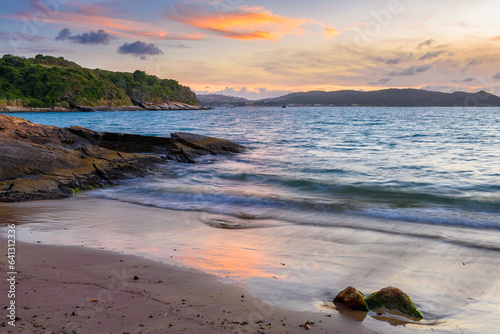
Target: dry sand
[81,290]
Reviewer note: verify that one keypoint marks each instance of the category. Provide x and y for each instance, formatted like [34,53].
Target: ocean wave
[393,193]
[250,193]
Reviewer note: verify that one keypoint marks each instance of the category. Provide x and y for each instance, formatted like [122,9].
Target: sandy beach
[80,290]
[193,268]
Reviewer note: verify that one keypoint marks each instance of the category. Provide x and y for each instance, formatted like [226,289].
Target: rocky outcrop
[354,299]
[165,106]
[389,298]
[194,145]
[181,146]
[46,162]
[137,107]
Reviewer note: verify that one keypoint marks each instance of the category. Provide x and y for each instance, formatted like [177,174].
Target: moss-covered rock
[354,299]
[393,299]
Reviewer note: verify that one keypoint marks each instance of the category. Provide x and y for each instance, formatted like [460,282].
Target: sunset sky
[261,48]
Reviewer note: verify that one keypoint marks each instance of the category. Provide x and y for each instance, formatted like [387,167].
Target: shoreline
[56,286]
[163,107]
[90,235]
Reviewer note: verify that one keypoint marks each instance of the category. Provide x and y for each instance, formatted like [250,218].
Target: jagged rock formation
[46,162]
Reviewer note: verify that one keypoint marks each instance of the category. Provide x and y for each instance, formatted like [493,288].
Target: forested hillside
[46,81]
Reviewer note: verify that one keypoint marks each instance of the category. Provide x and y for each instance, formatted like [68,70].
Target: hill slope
[388,98]
[217,100]
[46,81]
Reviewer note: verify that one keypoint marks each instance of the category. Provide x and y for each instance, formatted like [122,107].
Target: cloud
[382,81]
[414,70]
[426,43]
[139,48]
[22,37]
[474,62]
[497,76]
[255,94]
[395,59]
[432,55]
[35,50]
[178,45]
[114,19]
[471,63]
[94,38]
[470,79]
[245,23]
[392,61]
[444,89]
[330,33]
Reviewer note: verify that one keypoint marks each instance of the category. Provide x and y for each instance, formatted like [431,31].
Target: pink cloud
[94,16]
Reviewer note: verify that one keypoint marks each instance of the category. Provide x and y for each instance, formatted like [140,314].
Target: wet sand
[66,289]
[286,265]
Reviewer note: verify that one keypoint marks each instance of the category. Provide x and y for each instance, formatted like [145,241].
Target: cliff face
[45,82]
[44,162]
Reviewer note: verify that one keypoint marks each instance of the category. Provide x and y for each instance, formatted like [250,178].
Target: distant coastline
[347,98]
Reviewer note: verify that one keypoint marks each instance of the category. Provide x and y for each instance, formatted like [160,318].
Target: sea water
[420,165]
[368,196]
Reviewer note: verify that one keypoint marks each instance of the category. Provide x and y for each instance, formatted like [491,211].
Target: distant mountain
[386,98]
[217,100]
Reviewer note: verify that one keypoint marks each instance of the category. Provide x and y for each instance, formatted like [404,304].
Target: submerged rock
[354,299]
[393,299]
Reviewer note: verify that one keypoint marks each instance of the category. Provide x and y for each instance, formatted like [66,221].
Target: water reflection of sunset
[230,259]
[297,266]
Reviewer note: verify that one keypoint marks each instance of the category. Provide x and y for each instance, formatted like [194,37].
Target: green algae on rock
[354,299]
[390,298]
[394,299]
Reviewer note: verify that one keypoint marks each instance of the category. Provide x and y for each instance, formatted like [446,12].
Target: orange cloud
[330,33]
[242,23]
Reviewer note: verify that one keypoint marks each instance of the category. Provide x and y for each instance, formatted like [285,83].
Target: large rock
[354,299]
[194,145]
[45,162]
[389,298]
[393,299]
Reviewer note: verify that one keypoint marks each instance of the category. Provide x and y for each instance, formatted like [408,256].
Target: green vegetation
[46,81]
[393,299]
